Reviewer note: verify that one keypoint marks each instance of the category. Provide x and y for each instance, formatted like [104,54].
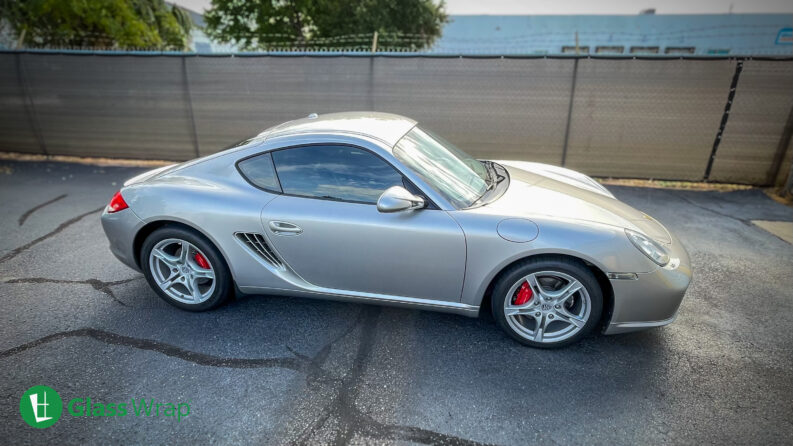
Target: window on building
[609,50]
[679,50]
[718,51]
[644,50]
[572,50]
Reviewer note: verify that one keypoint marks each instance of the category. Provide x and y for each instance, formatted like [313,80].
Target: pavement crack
[296,364]
[39,206]
[351,421]
[97,284]
[318,359]
[16,251]
[322,354]
[422,436]
[705,208]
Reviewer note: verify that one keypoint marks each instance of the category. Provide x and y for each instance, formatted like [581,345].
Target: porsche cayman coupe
[373,207]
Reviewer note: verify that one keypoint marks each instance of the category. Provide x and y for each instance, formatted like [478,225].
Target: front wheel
[185,269]
[547,303]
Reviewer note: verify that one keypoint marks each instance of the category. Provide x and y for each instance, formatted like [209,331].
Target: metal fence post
[370,91]
[787,190]
[370,84]
[569,112]
[775,169]
[189,106]
[30,108]
[724,117]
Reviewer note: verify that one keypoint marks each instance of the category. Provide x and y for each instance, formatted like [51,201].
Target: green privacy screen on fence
[619,117]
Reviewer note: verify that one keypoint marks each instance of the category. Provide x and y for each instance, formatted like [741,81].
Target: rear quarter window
[259,171]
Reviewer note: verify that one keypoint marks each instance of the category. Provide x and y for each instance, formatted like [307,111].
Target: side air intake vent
[258,244]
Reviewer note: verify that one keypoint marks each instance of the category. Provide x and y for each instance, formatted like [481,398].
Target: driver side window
[335,173]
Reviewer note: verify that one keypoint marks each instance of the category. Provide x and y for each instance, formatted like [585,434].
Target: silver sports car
[374,208]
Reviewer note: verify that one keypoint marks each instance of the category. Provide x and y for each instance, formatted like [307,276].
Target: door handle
[284,228]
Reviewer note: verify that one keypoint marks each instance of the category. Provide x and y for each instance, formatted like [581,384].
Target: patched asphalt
[278,370]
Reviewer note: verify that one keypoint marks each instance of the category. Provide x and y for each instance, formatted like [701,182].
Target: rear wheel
[547,303]
[185,269]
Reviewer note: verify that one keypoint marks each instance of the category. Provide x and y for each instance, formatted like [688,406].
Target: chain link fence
[662,118]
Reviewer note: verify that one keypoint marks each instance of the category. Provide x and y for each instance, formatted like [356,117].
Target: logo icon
[40,406]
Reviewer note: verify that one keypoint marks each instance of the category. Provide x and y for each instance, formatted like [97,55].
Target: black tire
[224,284]
[570,267]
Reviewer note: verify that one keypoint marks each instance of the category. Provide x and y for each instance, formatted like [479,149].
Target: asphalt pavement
[277,370]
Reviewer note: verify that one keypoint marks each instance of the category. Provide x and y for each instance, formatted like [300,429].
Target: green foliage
[97,23]
[257,24]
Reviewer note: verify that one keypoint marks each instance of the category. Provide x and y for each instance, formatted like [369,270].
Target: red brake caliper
[524,294]
[201,260]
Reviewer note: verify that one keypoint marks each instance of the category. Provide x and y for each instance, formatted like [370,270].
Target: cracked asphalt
[278,370]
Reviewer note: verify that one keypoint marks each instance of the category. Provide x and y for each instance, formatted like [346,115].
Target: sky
[566,7]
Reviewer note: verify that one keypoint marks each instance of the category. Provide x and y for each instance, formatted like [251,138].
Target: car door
[327,228]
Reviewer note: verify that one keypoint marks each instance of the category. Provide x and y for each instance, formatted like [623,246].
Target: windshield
[457,176]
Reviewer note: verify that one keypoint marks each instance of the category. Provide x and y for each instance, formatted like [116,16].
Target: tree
[266,24]
[97,23]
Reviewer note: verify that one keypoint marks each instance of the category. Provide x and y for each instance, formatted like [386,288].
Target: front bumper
[120,229]
[652,299]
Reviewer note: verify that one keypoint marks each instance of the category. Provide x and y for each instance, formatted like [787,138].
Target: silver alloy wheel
[174,266]
[550,315]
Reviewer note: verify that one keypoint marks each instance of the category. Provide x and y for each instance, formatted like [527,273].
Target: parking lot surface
[277,370]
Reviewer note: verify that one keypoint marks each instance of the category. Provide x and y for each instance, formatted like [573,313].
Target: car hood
[541,190]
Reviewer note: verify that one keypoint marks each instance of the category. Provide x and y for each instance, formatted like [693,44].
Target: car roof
[386,127]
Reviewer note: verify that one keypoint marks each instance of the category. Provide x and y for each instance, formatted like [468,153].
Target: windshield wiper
[491,174]
[500,177]
[493,179]
[488,182]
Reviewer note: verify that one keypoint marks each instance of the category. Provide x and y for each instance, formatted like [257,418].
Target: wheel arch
[600,275]
[150,227]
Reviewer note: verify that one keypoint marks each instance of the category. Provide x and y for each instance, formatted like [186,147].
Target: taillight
[117,203]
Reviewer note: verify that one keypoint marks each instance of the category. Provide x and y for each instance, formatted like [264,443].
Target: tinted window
[334,172]
[259,171]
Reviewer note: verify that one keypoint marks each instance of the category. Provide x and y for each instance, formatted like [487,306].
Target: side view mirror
[397,199]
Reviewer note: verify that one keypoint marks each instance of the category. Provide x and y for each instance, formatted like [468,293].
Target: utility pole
[576,43]
[21,39]
[374,42]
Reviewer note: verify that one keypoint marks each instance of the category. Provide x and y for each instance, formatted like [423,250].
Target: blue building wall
[735,34]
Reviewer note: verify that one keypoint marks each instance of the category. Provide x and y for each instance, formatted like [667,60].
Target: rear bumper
[120,229]
[652,299]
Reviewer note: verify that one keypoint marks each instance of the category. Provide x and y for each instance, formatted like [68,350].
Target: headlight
[649,247]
